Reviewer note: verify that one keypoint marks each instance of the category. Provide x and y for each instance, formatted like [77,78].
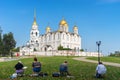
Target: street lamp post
[98,44]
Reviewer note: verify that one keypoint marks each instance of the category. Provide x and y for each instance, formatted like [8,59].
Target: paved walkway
[92,61]
[4,59]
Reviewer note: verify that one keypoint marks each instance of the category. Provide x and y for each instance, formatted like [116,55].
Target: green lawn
[80,70]
[106,59]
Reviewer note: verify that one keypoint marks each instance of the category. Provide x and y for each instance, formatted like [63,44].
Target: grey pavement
[93,61]
[3,59]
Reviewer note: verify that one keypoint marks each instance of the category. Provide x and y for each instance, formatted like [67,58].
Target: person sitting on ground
[64,69]
[19,68]
[100,70]
[36,66]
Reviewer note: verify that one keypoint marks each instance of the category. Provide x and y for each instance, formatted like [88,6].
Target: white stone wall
[63,53]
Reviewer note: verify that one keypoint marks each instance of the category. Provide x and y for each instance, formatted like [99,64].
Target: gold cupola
[75,28]
[63,23]
[48,28]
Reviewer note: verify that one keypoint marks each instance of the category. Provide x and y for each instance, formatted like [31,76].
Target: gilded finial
[48,24]
[63,18]
[75,23]
[34,23]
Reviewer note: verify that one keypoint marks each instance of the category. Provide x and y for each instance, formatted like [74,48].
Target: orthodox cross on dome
[75,26]
[63,18]
[75,23]
[48,24]
[34,14]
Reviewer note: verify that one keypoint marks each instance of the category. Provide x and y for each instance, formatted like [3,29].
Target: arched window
[36,33]
[58,35]
[36,41]
[67,46]
[68,37]
[49,37]
[41,39]
[54,37]
[75,38]
[32,33]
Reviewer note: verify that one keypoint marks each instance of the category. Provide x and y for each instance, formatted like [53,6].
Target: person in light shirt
[100,70]
[36,66]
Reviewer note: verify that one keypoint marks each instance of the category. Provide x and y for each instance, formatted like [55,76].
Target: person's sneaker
[34,75]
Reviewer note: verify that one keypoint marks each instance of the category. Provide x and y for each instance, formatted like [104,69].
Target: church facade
[51,40]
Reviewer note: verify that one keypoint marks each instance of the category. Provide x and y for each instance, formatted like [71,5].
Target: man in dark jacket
[19,67]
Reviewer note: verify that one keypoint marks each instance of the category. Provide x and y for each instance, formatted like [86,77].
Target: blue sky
[96,20]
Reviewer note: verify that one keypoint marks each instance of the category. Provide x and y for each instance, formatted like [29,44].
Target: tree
[81,50]
[116,53]
[67,49]
[35,49]
[16,49]
[9,43]
[1,43]
[60,47]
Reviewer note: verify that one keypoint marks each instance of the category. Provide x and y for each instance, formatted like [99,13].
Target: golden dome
[63,23]
[48,28]
[75,27]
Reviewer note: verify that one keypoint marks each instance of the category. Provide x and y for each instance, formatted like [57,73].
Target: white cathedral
[47,44]
[51,40]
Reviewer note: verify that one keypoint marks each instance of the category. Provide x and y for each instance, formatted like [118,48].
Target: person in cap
[19,68]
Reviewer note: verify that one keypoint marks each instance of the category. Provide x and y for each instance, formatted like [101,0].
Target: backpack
[55,74]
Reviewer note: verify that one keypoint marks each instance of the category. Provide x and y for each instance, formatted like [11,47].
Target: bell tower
[34,33]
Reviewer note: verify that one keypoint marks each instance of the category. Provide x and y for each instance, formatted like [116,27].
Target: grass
[106,59]
[80,70]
